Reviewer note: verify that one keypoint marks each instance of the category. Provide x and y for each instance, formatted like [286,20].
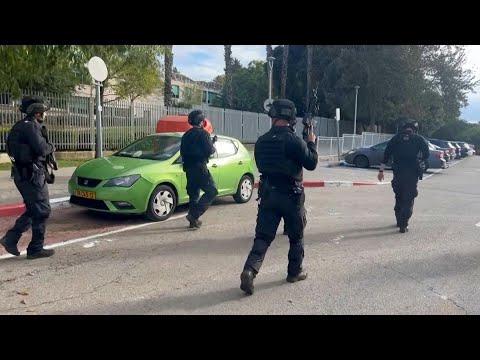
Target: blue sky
[204,62]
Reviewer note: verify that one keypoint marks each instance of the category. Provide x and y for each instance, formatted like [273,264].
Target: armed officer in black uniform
[280,157]
[408,150]
[28,150]
[195,149]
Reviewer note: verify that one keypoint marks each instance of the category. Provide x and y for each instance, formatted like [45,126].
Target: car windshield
[152,147]
[380,146]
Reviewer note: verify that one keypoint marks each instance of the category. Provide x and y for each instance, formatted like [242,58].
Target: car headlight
[351,152]
[123,181]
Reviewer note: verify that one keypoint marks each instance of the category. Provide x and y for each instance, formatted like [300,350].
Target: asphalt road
[358,262]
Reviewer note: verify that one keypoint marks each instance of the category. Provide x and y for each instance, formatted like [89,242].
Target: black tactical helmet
[34,104]
[411,124]
[283,109]
[196,117]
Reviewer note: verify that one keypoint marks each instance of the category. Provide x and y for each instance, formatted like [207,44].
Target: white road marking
[337,239]
[439,170]
[91,244]
[436,171]
[73,241]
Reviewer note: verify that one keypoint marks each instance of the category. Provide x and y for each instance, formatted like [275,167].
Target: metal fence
[327,146]
[374,138]
[71,122]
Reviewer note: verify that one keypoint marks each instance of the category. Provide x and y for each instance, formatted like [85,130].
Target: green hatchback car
[146,177]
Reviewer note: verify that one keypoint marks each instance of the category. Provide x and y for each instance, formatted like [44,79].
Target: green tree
[428,83]
[192,95]
[133,70]
[251,88]
[40,68]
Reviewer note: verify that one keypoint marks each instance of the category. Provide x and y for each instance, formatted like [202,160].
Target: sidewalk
[9,193]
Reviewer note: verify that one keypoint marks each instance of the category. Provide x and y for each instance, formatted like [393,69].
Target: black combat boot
[9,248]
[302,275]
[194,223]
[246,278]
[40,254]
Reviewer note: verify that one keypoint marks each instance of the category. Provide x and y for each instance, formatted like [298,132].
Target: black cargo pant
[404,186]
[199,178]
[34,191]
[273,206]
[285,228]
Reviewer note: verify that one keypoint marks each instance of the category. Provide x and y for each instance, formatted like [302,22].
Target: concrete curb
[18,208]
[333,183]
[64,202]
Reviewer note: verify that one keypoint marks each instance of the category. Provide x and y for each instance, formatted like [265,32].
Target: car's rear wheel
[361,161]
[245,190]
[162,203]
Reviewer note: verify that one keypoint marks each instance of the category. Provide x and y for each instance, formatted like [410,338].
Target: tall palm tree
[283,88]
[167,88]
[269,50]
[228,89]
[309,73]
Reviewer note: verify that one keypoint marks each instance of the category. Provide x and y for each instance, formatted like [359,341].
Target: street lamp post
[270,60]
[99,72]
[337,117]
[355,117]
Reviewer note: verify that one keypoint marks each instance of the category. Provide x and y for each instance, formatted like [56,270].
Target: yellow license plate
[85,194]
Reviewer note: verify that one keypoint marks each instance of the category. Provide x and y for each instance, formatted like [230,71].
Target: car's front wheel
[162,203]
[245,190]
[361,161]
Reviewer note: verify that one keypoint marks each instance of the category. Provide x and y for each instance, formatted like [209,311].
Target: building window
[175,91]
[212,96]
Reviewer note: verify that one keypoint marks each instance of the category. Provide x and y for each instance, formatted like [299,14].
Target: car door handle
[214,165]
[240,162]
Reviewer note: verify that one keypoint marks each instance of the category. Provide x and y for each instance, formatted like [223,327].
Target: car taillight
[439,155]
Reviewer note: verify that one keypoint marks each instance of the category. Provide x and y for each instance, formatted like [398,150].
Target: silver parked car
[365,157]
